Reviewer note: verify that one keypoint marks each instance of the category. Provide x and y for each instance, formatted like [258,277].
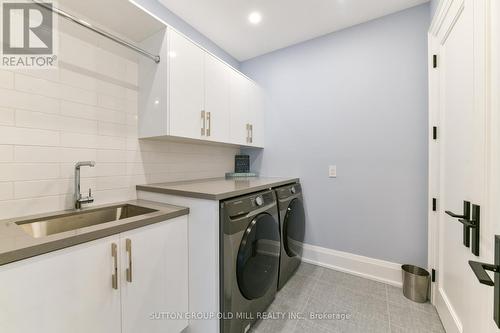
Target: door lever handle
[457,216]
[480,268]
[465,215]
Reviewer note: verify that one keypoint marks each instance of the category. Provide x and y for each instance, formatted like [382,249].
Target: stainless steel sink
[79,219]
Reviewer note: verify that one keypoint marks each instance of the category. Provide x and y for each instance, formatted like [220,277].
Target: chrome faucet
[79,200]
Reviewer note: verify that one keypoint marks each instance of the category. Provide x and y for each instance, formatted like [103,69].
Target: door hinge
[434,61]
[433,275]
[434,133]
[434,204]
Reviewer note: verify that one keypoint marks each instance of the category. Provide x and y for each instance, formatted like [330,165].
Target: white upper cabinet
[153,92]
[239,104]
[193,95]
[217,88]
[246,103]
[256,115]
[186,86]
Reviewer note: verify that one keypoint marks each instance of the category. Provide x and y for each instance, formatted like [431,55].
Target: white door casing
[461,160]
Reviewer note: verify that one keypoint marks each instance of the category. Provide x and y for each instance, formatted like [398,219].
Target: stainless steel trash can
[415,283]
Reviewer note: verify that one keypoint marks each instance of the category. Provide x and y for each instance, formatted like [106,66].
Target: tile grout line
[388,312]
[302,309]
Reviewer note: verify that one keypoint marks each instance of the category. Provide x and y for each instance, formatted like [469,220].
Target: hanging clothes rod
[60,12]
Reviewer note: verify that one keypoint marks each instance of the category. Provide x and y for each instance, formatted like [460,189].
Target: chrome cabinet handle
[128,247]
[114,277]
[204,122]
[251,133]
[209,121]
[248,133]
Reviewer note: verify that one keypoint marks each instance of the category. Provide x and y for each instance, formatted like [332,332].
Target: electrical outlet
[332,171]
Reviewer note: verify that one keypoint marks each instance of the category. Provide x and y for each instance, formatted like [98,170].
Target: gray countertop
[16,244]
[217,188]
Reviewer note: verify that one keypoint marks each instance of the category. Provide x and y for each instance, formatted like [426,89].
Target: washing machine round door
[258,257]
[294,226]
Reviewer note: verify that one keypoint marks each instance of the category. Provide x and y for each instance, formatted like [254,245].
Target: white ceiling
[284,22]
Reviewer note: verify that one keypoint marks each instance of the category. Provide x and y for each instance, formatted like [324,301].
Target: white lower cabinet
[72,290]
[157,282]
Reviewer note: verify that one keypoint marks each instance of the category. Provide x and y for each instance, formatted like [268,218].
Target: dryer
[249,259]
[292,230]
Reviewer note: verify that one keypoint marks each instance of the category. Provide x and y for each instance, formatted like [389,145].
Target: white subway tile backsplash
[79,80]
[84,110]
[7,116]
[74,94]
[6,79]
[24,207]
[34,85]
[111,156]
[6,191]
[36,154]
[112,182]
[111,169]
[33,189]
[22,100]
[28,136]
[85,126]
[37,120]
[113,103]
[6,153]
[21,171]
[112,129]
[73,155]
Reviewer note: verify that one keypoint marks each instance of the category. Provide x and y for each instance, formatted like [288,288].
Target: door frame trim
[486,85]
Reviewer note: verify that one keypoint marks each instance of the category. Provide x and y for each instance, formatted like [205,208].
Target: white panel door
[158,258]
[186,86]
[239,104]
[217,89]
[64,291]
[462,301]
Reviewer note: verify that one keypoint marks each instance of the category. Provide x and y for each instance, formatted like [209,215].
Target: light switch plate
[332,171]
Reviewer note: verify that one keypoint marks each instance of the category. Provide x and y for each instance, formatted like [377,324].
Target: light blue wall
[357,99]
[177,23]
[434,7]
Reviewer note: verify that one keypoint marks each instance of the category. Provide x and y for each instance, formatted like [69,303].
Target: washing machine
[292,230]
[249,259]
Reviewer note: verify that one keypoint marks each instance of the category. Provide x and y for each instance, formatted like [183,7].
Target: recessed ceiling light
[255,18]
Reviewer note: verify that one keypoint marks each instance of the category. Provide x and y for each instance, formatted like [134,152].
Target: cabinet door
[217,89]
[158,256]
[239,92]
[64,291]
[256,115]
[153,80]
[186,86]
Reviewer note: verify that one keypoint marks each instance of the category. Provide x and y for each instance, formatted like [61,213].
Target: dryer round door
[258,257]
[294,226]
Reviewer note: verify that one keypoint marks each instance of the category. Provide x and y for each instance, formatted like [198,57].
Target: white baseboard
[447,313]
[373,269]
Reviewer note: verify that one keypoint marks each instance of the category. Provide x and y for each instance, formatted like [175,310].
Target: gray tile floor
[368,306]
